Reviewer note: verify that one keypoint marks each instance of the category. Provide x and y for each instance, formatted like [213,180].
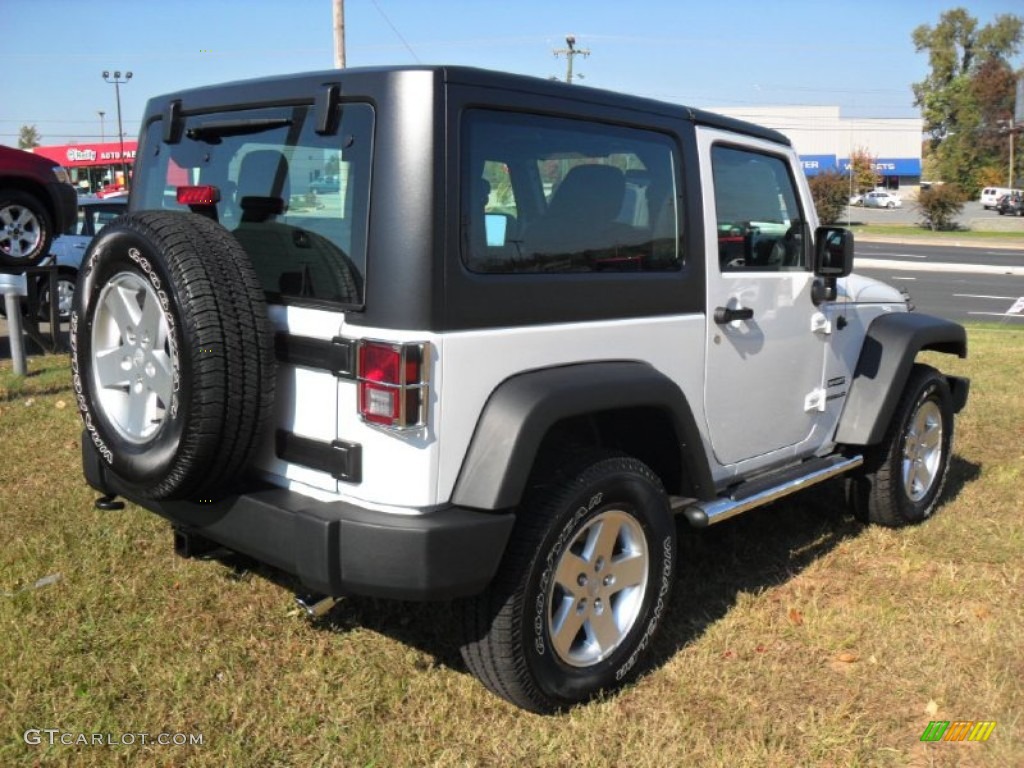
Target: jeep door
[262,168]
[764,358]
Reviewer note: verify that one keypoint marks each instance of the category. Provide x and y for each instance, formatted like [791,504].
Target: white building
[824,140]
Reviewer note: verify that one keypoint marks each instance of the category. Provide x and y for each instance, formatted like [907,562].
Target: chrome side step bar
[761,491]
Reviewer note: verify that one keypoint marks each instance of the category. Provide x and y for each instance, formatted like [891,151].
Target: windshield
[296,200]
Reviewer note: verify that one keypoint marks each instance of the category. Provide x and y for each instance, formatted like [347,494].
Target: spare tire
[172,354]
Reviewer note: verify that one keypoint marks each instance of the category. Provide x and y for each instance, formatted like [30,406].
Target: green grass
[912,230]
[795,637]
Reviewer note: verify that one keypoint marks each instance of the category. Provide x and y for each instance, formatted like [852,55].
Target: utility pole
[339,34]
[570,52]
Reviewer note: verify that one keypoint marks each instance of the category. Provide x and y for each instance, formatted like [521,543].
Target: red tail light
[200,195]
[392,383]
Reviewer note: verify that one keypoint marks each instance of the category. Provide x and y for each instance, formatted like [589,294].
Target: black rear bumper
[337,548]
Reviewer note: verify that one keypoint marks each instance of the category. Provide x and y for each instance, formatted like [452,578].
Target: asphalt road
[958,283]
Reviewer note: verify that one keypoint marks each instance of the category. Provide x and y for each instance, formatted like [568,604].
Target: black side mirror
[833,252]
[833,258]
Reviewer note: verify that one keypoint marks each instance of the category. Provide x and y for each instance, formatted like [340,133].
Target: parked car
[990,196]
[857,200]
[1011,205]
[882,199]
[328,184]
[36,201]
[67,250]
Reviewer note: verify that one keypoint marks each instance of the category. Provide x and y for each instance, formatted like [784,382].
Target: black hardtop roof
[303,86]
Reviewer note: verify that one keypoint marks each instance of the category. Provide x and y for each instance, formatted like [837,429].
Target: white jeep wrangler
[435,333]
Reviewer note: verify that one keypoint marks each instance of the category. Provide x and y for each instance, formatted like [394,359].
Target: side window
[544,194]
[760,224]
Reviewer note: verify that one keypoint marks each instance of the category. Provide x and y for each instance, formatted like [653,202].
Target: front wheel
[904,475]
[580,591]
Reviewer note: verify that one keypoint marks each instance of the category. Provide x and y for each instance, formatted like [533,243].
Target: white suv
[534,327]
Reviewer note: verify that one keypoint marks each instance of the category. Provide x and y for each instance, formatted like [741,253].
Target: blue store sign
[815,164]
[889,166]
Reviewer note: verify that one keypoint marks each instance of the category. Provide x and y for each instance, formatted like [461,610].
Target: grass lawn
[1011,239]
[796,636]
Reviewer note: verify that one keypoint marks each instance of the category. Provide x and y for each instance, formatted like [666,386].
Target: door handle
[725,315]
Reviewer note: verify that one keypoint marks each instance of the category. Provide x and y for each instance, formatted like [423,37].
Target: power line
[397,33]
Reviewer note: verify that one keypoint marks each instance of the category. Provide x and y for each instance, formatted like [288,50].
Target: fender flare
[891,345]
[523,408]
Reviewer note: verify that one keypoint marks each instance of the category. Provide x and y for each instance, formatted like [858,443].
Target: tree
[862,166]
[968,95]
[939,206]
[28,137]
[831,193]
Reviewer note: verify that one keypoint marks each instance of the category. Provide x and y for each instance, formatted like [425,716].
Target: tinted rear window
[296,201]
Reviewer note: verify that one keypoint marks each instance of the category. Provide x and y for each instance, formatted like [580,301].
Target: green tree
[968,95]
[831,193]
[28,137]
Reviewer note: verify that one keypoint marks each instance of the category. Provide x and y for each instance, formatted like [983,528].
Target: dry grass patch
[796,636]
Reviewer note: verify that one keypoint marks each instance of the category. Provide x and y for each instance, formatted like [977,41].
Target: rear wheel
[581,589]
[26,229]
[905,474]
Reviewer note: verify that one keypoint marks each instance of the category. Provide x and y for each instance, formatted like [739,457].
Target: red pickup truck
[36,202]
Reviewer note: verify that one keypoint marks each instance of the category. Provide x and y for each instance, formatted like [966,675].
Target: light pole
[101,113]
[118,82]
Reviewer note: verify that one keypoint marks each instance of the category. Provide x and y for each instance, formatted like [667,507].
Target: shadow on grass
[748,554]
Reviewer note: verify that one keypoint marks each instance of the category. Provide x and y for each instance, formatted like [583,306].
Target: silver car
[882,199]
[67,250]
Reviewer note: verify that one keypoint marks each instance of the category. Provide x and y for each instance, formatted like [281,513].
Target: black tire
[66,279]
[172,354]
[26,229]
[510,640]
[903,477]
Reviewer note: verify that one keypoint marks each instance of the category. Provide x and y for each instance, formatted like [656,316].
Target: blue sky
[858,55]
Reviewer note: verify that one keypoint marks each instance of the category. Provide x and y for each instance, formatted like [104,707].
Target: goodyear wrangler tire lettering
[172,357]
[582,588]
[904,475]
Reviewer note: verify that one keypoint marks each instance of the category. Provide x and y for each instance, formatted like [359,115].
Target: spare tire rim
[132,372]
[21,231]
[922,451]
[598,588]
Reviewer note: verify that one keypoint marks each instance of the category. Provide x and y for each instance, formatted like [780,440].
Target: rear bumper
[338,548]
